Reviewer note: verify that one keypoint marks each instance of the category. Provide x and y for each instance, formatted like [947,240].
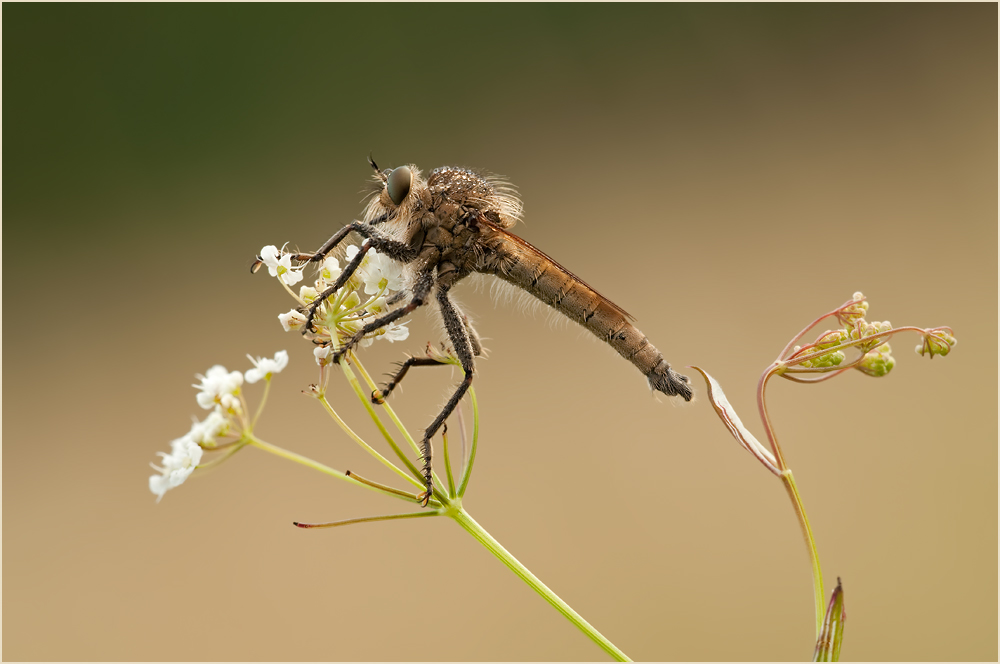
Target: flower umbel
[227,426]
[345,313]
[344,316]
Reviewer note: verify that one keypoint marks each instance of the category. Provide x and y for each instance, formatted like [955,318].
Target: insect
[445,227]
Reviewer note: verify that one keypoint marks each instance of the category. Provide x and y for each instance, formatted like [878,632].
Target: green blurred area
[105,98]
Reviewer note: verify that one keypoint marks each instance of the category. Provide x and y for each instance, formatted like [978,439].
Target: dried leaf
[732,421]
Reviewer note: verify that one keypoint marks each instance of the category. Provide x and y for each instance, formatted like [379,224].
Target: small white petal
[321,353]
[269,255]
[264,367]
[330,269]
[396,332]
[293,320]
[292,277]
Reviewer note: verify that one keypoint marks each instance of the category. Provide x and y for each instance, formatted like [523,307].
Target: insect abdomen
[565,293]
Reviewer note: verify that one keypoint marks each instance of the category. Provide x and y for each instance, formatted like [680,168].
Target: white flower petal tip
[266,367]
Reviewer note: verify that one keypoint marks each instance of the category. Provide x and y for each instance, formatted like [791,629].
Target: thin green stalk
[367,519]
[469,524]
[817,572]
[263,400]
[447,464]
[234,447]
[315,465]
[392,416]
[368,448]
[366,402]
[467,473]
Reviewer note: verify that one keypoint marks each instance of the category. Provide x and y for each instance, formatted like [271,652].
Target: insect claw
[257,264]
[377,397]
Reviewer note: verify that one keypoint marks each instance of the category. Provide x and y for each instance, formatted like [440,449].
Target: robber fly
[445,227]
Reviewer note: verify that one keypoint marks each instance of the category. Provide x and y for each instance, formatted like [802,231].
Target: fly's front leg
[348,272]
[458,333]
[421,289]
[477,345]
[338,237]
[399,251]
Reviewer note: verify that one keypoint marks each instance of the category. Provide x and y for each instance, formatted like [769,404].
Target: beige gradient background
[725,173]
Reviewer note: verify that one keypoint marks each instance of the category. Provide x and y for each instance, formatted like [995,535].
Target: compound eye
[398,184]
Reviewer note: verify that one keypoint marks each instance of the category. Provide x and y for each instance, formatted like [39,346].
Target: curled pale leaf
[732,421]
[832,634]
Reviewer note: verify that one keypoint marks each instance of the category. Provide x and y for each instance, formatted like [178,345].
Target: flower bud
[878,362]
[853,312]
[937,342]
[308,293]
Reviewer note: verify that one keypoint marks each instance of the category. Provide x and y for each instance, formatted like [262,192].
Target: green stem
[817,572]
[392,415]
[447,464]
[467,473]
[315,465]
[469,524]
[366,403]
[263,400]
[368,448]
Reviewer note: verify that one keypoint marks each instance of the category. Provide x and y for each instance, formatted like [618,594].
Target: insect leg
[348,272]
[477,345]
[379,396]
[421,288]
[399,251]
[460,342]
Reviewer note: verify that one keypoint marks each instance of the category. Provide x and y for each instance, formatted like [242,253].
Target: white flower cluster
[184,457]
[219,391]
[343,314]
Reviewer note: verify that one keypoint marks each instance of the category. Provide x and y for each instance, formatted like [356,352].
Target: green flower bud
[936,342]
[825,361]
[877,362]
[829,339]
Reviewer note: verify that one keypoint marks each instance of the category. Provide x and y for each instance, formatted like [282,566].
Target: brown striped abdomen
[532,271]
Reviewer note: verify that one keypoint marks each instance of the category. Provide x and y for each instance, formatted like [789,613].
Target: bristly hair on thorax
[484,190]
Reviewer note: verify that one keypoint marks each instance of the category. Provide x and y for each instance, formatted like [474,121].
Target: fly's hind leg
[458,333]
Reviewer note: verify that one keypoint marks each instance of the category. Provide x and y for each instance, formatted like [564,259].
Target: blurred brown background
[725,173]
